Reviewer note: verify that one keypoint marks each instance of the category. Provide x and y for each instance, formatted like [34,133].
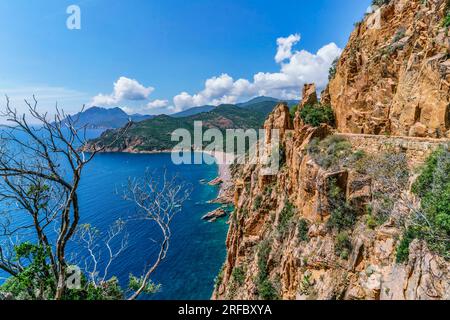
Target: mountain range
[114,118]
[155,134]
[106,118]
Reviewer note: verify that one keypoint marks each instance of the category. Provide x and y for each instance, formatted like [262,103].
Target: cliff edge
[348,216]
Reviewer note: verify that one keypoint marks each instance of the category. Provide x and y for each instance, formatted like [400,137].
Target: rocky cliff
[328,225]
[394,75]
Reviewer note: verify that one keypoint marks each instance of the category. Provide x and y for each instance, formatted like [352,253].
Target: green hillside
[155,134]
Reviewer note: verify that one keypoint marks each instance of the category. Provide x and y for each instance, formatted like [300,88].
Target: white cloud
[157,104]
[285,47]
[296,69]
[125,89]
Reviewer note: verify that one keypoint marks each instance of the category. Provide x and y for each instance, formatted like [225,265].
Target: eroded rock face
[301,256]
[392,81]
[279,119]
[309,95]
[394,75]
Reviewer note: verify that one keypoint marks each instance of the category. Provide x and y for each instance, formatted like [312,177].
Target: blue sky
[161,53]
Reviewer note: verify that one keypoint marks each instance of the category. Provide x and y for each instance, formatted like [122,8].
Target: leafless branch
[158,200]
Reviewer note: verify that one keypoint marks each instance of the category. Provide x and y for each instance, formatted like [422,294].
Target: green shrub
[36,280]
[303,229]
[403,247]
[343,215]
[219,279]
[424,182]
[150,287]
[358,155]
[258,202]
[306,285]
[238,275]
[267,291]
[263,256]
[268,190]
[371,221]
[331,152]
[293,111]
[315,115]
[343,245]
[285,218]
[446,21]
[342,218]
[333,69]
[399,34]
[380,3]
[433,187]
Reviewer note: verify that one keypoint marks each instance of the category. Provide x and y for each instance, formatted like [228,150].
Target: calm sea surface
[197,248]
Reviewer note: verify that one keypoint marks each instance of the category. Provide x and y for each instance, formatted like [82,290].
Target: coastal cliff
[337,220]
[394,75]
[328,226]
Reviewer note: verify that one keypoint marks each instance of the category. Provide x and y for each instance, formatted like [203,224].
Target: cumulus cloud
[157,104]
[125,89]
[296,69]
[285,47]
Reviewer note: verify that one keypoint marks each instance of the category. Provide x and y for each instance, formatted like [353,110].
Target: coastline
[223,161]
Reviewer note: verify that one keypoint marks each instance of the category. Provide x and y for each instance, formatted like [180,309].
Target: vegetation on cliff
[431,222]
[446,22]
[315,115]
[344,208]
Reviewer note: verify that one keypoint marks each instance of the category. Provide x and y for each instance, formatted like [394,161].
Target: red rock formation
[395,77]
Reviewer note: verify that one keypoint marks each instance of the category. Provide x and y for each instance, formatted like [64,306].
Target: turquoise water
[197,248]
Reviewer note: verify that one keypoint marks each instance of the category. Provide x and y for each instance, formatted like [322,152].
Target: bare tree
[94,242]
[41,167]
[157,201]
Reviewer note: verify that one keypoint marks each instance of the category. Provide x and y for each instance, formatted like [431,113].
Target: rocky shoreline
[224,178]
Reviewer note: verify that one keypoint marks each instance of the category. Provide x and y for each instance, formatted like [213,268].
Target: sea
[197,248]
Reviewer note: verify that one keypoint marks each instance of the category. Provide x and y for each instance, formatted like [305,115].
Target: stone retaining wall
[417,149]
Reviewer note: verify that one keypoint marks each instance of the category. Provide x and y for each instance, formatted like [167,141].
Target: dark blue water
[197,248]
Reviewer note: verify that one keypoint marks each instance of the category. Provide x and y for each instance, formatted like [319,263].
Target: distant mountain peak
[106,118]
